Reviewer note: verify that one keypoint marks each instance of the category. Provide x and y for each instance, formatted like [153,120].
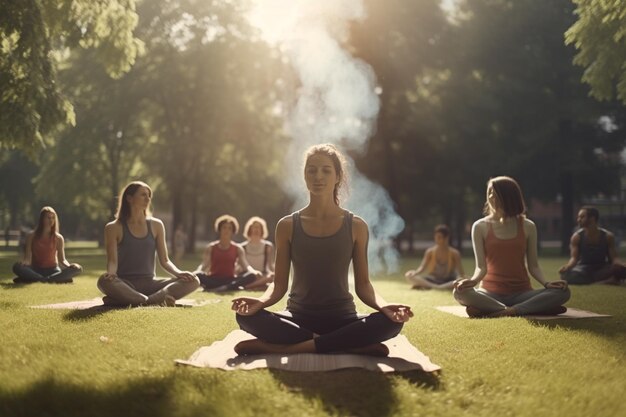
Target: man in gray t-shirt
[593,256]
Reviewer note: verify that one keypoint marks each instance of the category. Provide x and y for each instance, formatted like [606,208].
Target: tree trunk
[177,213]
[566,185]
[567,211]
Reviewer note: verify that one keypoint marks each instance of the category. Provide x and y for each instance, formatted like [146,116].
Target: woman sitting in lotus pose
[320,241]
[504,242]
[132,242]
[44,254]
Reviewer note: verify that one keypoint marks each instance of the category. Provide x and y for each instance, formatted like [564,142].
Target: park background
[194,98]
[203,100]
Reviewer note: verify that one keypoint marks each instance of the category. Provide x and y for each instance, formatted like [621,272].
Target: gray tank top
[135,256]
[320,272]
[593,254]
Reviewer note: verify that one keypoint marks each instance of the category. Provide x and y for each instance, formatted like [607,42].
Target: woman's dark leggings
[335,334]
[211,282]
[28,274]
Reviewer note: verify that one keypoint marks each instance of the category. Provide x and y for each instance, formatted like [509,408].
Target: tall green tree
[599,35]
[491,92]
[212,87]
[16,186]
[402,42]
[542,126]
[34,37]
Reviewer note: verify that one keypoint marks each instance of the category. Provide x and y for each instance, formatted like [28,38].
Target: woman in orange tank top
[505,248]
[44,255]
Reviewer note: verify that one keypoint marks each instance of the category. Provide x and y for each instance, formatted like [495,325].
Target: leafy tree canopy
[35,38]
[599,35]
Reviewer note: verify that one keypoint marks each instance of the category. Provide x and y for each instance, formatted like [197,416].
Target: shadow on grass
[352,392]
[48,397]
[88,313]
[7,305]
[611,327]
[98,310]
[12,286]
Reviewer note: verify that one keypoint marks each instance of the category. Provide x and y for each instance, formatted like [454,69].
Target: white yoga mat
[97,302]
[571,313]
[403,356]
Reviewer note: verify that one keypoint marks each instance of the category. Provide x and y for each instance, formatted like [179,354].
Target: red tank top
[223,261]
[506,267]
[44,252]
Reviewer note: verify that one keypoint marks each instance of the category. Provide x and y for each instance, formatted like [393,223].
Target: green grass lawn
[53,362]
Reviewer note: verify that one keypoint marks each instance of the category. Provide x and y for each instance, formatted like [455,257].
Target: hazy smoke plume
[337,103]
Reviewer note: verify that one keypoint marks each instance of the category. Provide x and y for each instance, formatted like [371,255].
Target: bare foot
[420,287]
[377,349]
[169,301]
[474,312]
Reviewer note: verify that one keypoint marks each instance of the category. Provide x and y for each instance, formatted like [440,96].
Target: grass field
[53,362]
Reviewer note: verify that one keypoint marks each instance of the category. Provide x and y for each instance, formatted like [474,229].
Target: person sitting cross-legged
[593,255]
[44,254]
[320,241]
[132,242]
[504,242]
[217,271]
[440,266]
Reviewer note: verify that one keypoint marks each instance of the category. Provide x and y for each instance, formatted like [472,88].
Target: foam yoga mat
[571,313]
[403,356]
[97,302]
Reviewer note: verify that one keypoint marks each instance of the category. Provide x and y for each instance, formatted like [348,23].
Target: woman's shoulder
[113,225]
[359,226]
[155,222]
[529,225]
[357,220]
[483,222]
[286,221]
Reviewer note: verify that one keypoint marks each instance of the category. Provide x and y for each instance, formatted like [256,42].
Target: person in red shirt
[504,242]
[217,271]
[44,254]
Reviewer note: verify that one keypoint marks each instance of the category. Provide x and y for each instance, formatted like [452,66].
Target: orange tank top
[506,267]
[44,252]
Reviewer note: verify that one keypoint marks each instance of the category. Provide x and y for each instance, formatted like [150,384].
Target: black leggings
[210,282]
[29,273]
[335,334]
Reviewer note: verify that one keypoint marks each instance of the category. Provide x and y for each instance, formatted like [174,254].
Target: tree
[34,37]
[496,94]
[599,35]
[402,41]
[211,86]
[16,186]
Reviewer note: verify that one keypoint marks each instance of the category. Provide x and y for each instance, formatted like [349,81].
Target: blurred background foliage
[184,94]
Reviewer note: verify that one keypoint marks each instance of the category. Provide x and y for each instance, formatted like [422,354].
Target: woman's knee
[389,327]
[461,296]
[193,284]
[17,268]
[564,294]
[245,322]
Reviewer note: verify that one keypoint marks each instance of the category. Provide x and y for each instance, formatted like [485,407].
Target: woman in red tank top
[505,248]
[217,271]
[44,254]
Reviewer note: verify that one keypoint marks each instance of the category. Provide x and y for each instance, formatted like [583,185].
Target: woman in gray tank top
[320,241]
[132,241]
